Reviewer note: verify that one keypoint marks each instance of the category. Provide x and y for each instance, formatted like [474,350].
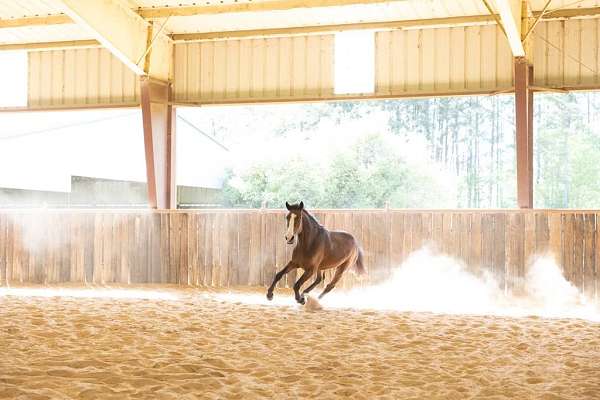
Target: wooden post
[530,130]
[524,132]
[158,117]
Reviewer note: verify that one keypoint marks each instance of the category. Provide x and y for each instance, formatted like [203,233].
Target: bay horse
[317,249]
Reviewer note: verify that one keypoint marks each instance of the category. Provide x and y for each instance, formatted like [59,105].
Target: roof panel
[393,11]
[413,9]
[28,8]
[538,5]
[175,3]
[36,34]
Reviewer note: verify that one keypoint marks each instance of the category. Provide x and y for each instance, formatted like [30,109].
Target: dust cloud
[436,283]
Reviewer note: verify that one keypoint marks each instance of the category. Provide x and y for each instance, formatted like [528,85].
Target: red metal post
[524,132]
[159,143]
[530,133]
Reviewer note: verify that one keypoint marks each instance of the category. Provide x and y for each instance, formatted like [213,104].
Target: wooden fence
[245,247]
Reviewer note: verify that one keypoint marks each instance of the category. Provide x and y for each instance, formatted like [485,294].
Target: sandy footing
[189,344]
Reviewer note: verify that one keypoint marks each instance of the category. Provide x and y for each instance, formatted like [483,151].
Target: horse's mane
[311,217]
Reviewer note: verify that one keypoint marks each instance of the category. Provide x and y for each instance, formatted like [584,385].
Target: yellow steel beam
[50,45]
[510,15]
[260,6]
[569,13]
[536,21]
[35,21]
[123,33]
[494,15]
[388,25]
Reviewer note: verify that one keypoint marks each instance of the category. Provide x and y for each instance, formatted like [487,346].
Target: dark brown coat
[317,249]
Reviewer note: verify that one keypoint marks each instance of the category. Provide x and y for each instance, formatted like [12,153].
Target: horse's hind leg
[314,284]
[338,274]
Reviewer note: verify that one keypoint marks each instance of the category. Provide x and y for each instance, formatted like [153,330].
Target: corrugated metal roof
[408,62]
[442,60]
[175,3]
[566,53]
[415,8]
[79,77]
[50,33]
[254,69]
[392,11]
[537,5]
[28,8]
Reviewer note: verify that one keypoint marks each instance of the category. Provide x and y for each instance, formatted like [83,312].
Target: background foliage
[425,153]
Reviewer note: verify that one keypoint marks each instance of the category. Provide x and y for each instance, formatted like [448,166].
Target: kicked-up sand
[172,343]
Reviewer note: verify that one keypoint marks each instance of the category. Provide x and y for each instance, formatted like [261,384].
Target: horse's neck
[310,228]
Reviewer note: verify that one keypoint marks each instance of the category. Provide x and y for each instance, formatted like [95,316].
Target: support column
[158,116]
[524,132]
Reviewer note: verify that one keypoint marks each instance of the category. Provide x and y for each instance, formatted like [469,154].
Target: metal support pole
[524,132]
[159,143]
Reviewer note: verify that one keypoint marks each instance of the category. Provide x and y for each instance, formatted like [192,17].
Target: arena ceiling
[90,52]
[40,21]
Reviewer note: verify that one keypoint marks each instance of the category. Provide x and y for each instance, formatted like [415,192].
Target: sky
[42,150]
[354,62]
[13,78]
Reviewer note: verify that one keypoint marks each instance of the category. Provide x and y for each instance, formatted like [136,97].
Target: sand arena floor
[188,344]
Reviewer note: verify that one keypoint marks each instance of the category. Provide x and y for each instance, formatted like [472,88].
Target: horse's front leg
[290,266]
[307,274]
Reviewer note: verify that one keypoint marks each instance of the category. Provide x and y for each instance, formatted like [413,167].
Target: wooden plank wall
[224,248]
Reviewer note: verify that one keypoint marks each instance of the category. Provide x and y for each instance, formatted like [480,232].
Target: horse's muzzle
[291,241]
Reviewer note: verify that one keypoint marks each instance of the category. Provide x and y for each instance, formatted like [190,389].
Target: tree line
[452,152]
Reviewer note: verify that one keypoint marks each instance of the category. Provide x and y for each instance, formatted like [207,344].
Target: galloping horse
[317,249]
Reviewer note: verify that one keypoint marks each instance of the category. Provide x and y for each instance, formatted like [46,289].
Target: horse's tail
[360,266]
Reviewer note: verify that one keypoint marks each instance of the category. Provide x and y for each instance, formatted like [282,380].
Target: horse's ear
[301,206]
[287,205]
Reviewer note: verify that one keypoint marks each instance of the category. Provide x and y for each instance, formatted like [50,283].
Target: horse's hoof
[269,296]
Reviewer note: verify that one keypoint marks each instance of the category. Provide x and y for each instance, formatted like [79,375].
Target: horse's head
[294,221]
